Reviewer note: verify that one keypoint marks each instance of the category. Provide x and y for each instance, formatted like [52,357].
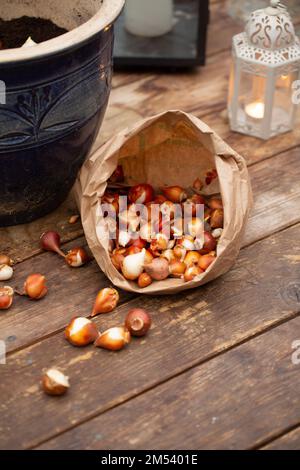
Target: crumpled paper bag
[168,149]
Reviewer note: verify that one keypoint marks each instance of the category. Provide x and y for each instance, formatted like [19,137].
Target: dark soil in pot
[14,33]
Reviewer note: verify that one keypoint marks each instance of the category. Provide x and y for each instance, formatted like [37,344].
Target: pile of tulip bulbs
[150,237]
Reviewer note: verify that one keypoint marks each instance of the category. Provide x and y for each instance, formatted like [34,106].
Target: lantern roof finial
[271,28]
[269,37]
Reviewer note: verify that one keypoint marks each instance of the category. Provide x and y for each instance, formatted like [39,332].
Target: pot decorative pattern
[54,108]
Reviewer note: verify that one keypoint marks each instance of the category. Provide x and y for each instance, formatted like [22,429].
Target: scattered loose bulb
[50,241]
[6,272]
[113,339]
[81,331]
[4,259]
[6,297]
[138,322]
[35,286]
[55,383]
[106,301]
[77,257]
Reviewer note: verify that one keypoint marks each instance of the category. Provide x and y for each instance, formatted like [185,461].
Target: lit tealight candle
[256,110]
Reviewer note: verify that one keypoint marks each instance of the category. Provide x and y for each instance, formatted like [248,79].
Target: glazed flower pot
[53,100]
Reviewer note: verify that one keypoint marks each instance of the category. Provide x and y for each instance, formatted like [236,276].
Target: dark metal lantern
[183,46]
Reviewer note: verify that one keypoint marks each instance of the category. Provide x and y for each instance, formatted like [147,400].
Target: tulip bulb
[175,194]
[6,272]
[35,286]
[187,242]
[169,255]
[4,259]
[50,241]
[81,332]
[144,280]
[205,261]
[106,301]
[217,218]
[124,238]
[138,322]
[158,269]
[113,339]
[159,244]
[6,297]
[209,243]
[74,219]
[192,258]
[215,203]
[141,193]
[195,227]
[55,383]
[192,272]
[77,257]
[133,265]
[168,209]
[177,268]
[179,252]
[217,232]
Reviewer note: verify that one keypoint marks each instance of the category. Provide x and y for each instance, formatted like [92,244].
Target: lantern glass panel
[251,99]
[283,109]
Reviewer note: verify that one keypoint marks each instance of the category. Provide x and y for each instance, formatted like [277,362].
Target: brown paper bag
[168,149]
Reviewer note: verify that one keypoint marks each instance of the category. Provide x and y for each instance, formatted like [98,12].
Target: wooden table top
[216,370]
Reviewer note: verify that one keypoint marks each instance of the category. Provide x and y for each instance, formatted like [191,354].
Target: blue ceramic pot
[55,100]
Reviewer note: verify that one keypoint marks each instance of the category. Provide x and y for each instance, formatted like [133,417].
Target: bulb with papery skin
[192,272]
[209,243]
[55,383]
[77,257]
[35,286]
[205,261]
[177,268]
[50,241]
[6,272]
[133,265]
[217,218]
[81,332]
[144,280]
[106,301]
[138,322]
[175,194]
[113,339]
[6,297]
[141,193]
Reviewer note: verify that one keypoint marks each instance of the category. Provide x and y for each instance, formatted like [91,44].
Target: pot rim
[106,15]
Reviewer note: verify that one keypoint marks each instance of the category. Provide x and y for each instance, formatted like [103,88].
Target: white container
[149,18]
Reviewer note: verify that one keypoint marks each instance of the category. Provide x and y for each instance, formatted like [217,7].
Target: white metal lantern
[266,63]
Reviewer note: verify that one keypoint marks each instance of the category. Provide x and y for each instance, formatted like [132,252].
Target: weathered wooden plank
[232,402]
[189,328]
[290,441]
[276,207]
[252,149]
[22,241]
[276,189]
[71,293]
